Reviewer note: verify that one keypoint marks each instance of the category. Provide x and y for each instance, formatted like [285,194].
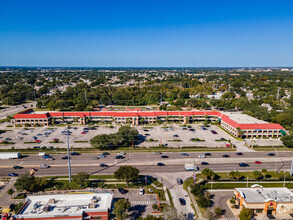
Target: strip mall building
[234,123]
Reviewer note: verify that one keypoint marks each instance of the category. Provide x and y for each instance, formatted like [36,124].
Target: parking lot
[172,136]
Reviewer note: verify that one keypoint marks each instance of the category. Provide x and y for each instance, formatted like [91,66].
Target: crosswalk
[143,202]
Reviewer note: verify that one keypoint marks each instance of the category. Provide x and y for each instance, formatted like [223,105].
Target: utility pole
[68,154]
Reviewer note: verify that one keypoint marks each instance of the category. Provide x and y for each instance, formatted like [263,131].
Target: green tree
[25,182]
[120,209]
[126,173]
[155,206]
[264,172]
[203,201]
[218,211]
[207,173]
[82,179]
[151,217]
[246,214]
[257,174]
[287,140]
[10,192]
[197,190]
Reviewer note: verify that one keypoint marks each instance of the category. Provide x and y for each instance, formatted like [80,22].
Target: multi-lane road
[15,109]
[147,163]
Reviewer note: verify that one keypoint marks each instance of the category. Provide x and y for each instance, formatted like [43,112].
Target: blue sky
[146,33]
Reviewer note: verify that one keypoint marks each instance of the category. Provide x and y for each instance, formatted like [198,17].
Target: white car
[202,156]
[141,191]
[121,153]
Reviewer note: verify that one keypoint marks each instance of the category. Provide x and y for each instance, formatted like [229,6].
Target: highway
[15,109]
[147,163]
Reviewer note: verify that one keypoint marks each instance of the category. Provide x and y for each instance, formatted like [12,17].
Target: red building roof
[116,114]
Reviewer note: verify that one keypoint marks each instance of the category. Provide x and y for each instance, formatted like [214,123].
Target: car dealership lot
[173,135]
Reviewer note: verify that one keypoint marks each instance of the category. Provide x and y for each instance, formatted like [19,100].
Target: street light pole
[68,154]
[277,158]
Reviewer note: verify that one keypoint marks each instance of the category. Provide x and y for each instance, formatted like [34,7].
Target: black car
[106,153]
[103,165]
[65,158]
[207,154]
[74,154]
[119,157]
[271,154]
[17,167]
[191,129]
[244,165]
[122,191]
[175,135]
[164,156]
[179,181]
[145,130]
[182,201]
[147,134]
[160,164]
[226,155]
[239,153]
[204,163]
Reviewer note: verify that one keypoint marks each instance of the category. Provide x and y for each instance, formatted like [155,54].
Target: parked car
[141,191]
[122,191]
[214,132]
[179,181]
[244,165]
[182,201]
[175,135]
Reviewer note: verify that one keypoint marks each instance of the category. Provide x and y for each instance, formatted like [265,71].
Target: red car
[258,162]
[38,141]
[83,132]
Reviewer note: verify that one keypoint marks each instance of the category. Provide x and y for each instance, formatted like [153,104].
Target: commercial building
[265,201]
[67,206]
[235,123]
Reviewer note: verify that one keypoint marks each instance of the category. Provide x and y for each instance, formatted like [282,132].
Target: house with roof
[265,201]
